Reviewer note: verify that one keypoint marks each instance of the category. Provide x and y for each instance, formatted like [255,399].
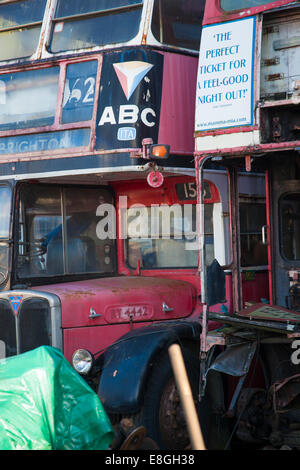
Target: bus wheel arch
[161,412]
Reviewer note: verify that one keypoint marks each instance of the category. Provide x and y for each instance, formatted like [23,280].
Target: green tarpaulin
[46,405]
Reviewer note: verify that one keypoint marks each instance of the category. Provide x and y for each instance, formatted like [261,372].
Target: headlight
[82,361]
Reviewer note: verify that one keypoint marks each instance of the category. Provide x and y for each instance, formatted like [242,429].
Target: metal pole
[235,240]
[199,165]
[186,397]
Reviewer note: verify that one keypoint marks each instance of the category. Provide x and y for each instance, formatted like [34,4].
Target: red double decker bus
[96,234]
[247,120]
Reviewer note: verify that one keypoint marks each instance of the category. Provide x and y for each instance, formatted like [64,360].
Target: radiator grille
[34,324]
[8,328]
[26,330]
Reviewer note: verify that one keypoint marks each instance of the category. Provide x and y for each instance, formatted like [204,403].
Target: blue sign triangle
[15,301]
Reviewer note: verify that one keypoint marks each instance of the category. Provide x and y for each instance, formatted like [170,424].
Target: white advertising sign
[225,75]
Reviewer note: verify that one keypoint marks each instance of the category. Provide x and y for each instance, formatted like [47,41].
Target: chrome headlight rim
[82,361]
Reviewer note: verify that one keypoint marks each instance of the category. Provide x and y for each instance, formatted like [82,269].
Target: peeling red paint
[106,295]
[214,14]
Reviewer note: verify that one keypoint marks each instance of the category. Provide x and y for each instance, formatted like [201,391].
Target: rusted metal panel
[177,106]
[123,300]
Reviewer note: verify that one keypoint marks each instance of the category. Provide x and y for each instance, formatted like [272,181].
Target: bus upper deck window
[178,22]
[232,5]
[82,24]
[20,25]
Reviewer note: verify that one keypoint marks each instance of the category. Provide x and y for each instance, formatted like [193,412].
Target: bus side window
[83,24]
[178,22]
[252,218]
[159,238]
[289,210]
[20,25]
[234,5]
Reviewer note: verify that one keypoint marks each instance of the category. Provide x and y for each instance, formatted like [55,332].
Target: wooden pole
[186,397]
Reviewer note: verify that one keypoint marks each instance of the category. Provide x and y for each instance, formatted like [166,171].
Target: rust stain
[76,294]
